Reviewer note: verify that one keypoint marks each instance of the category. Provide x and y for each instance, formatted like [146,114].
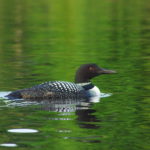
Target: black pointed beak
[106,71]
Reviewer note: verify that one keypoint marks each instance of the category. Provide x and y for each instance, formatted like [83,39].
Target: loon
[58,89]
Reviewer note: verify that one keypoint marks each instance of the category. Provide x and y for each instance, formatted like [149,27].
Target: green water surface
[48,40]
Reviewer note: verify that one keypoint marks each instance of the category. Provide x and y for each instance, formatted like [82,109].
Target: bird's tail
[14,95]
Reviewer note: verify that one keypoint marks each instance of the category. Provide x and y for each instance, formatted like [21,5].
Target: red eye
[91,68]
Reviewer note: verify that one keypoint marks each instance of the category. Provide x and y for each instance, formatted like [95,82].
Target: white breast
[93,92]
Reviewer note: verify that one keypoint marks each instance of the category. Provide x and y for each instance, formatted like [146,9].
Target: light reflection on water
[22,131]
[8,145]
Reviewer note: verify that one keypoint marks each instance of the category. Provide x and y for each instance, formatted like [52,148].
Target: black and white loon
[82,86]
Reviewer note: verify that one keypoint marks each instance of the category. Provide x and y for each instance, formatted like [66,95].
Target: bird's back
[49,90]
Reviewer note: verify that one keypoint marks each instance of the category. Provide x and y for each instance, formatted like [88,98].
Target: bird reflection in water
[81,107]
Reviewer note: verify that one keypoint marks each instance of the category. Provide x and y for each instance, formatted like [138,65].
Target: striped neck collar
[86,86]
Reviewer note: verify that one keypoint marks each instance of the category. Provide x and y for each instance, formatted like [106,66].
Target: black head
[88,71]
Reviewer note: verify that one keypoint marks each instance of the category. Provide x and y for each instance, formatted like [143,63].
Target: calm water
[47,40]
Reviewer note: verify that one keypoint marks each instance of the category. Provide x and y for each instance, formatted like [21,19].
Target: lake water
[48,40]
